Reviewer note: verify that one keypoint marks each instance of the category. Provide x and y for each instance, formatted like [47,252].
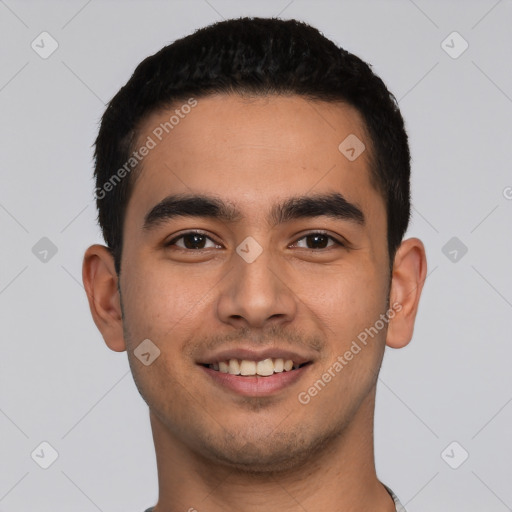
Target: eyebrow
[186,205]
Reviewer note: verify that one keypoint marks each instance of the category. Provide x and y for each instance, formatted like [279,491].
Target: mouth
[250,368]
[250,378]
[256,373]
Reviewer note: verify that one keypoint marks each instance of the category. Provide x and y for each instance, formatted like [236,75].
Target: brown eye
[319,241]
[191,241]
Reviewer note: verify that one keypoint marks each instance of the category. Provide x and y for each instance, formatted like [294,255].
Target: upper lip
[254,355]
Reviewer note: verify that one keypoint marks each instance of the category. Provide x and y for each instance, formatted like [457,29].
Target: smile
[246,367]
[244,378]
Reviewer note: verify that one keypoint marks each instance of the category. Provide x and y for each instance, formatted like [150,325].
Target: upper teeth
[245,367]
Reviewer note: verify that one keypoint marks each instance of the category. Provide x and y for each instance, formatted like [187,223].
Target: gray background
[59,382]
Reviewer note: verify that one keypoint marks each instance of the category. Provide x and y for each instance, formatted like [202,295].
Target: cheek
[349,300]
[160,302]
[350,309]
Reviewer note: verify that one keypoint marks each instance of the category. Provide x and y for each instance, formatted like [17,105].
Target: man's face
[255,282]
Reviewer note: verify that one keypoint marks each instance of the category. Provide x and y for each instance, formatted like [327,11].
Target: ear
[100,282]
[409,273]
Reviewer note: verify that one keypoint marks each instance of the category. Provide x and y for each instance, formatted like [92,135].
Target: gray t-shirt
[398,505]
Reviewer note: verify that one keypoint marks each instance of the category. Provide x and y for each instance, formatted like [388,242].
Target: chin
[259,463]
[279,453]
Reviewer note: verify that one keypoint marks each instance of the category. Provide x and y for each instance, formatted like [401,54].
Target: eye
[319,240]
[192,240]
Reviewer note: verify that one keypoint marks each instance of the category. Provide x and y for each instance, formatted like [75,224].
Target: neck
[341,477]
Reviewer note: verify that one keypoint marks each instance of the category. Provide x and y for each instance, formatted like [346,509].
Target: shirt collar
[399,507]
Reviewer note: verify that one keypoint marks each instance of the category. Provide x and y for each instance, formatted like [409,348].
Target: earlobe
[409,273]
[100,282]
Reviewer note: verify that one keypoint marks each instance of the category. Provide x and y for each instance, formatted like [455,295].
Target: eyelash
[174,240]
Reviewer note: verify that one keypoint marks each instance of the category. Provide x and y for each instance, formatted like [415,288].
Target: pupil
[191,245]
[316,237]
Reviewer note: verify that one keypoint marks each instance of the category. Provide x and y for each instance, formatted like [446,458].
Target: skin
[216,450]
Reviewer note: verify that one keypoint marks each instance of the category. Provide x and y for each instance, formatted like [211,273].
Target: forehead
[251,150]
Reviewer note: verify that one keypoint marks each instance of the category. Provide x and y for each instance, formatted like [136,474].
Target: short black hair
[255,56]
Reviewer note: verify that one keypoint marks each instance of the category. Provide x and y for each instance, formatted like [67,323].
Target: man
[253,191]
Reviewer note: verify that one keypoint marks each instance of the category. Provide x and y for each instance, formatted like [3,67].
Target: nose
[257,293]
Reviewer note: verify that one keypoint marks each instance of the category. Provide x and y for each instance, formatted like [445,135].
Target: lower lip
[257,385]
